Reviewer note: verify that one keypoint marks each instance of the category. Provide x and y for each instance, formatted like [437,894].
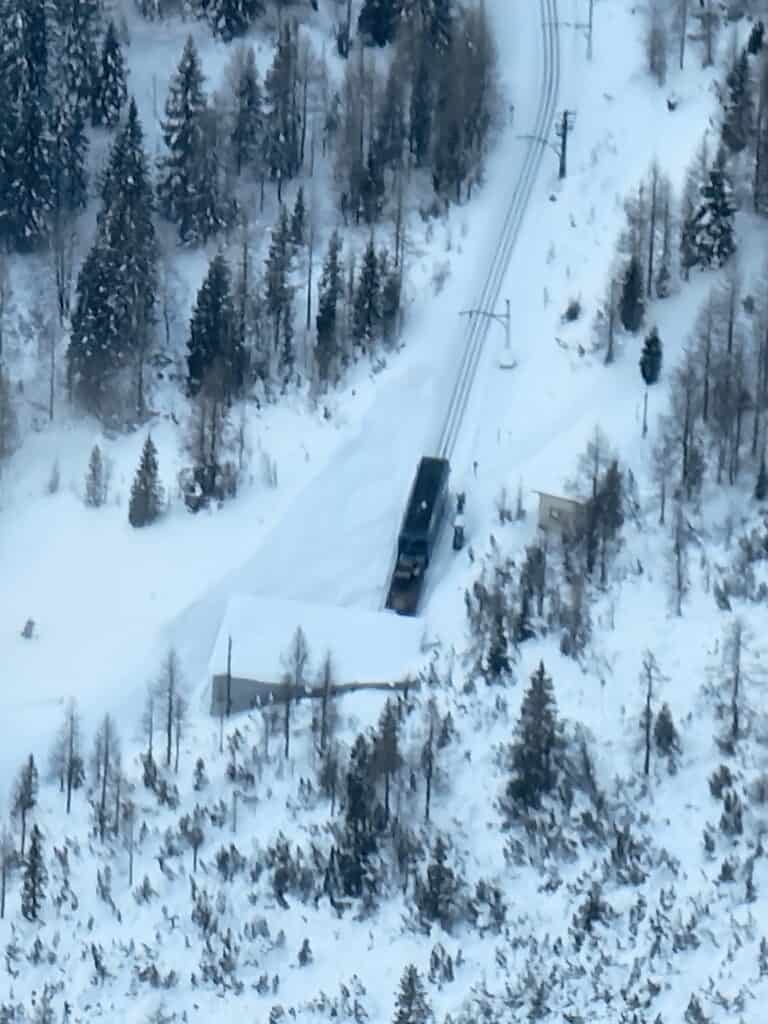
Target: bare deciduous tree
[651,677]
[66,761]
[295,680]
[105,765]
[680,577]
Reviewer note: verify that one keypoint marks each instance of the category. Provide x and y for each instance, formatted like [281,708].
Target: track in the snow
[478,326]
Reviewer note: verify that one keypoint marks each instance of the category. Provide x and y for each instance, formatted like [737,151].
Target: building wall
[557,513]
[246,694]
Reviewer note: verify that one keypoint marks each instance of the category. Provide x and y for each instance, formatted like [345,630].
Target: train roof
[431,478]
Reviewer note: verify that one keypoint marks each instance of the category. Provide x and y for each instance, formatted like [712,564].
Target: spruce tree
[188,187]
[632,302]
[25,796]
[111,92]
[278,294]
[535,747]
[377,21]
[247,133]
[80,56]
[436,897]
[390,122]
[30,185]
[95,353]
[412,1005]
[441,26]
[213,347]
[147,493]
[739,115]
[420,114]
[651,358]
[231,18]
[35,877]
[761,484]
[366,317]
[299,220]
[96,479]
[69,153]
[713,222]
[330,290]
[282,119]
[391,293]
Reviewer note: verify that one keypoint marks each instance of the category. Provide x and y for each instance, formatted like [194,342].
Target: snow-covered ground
[109,601]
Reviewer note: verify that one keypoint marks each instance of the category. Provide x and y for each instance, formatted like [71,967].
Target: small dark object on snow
[29,629]
[458,522]
[672,102]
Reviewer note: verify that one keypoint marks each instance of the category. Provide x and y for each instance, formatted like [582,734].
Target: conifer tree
[739,115]
[282,118]
[35,877]
[25,796]
[146,502]
[278,294]
[391,294]
[188,186]
[387,750]
[536,745]
[761,484]
[69,152]
[96,479]
[330,290]
[650,360]
[390,123]
[713,226]
[298,220]
[214,345]
[247,133]
[436,897]
[30,184]
[110,92]
[79,54]
[632,302]
[377,21]
[420,113]
[412,1005]
[366,317]
[231,18]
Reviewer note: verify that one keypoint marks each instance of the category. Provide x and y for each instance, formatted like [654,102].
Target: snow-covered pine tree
[35,877]
[146,502]
[391,293]
[713,223]
[96,479]
[282,118]
[9,432]
[231,18]
[366,317]
[79,60]
[632,302]
[188,185]
[69,153]
[247,131]
[30,185]
[651,357]
[377,21]
[534,751]
[298,220]
[25,796]
[436,896]
[330,289]
[761,484]
[278,294]
[390,122]
[421,107]
[739,113]
[110,92]
[412,1005]
[213,348]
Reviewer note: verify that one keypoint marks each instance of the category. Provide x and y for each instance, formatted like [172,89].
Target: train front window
[413,548]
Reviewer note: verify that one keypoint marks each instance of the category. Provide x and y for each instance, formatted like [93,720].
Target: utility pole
[229,676]
[561,130]
[505,319]
[590,22]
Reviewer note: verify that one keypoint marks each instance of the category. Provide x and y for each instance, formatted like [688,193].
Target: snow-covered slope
[109,602]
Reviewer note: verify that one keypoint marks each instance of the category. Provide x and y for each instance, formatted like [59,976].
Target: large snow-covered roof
[366,647]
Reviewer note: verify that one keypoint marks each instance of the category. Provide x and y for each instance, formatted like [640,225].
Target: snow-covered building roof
[366,647]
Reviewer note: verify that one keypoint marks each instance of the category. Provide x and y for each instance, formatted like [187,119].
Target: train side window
[554,513]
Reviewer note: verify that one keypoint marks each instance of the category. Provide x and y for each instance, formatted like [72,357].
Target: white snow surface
[108,601]
[366,647]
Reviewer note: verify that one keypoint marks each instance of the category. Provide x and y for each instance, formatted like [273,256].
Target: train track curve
[478,326]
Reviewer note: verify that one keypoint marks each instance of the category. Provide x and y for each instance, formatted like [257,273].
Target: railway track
[478,326]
